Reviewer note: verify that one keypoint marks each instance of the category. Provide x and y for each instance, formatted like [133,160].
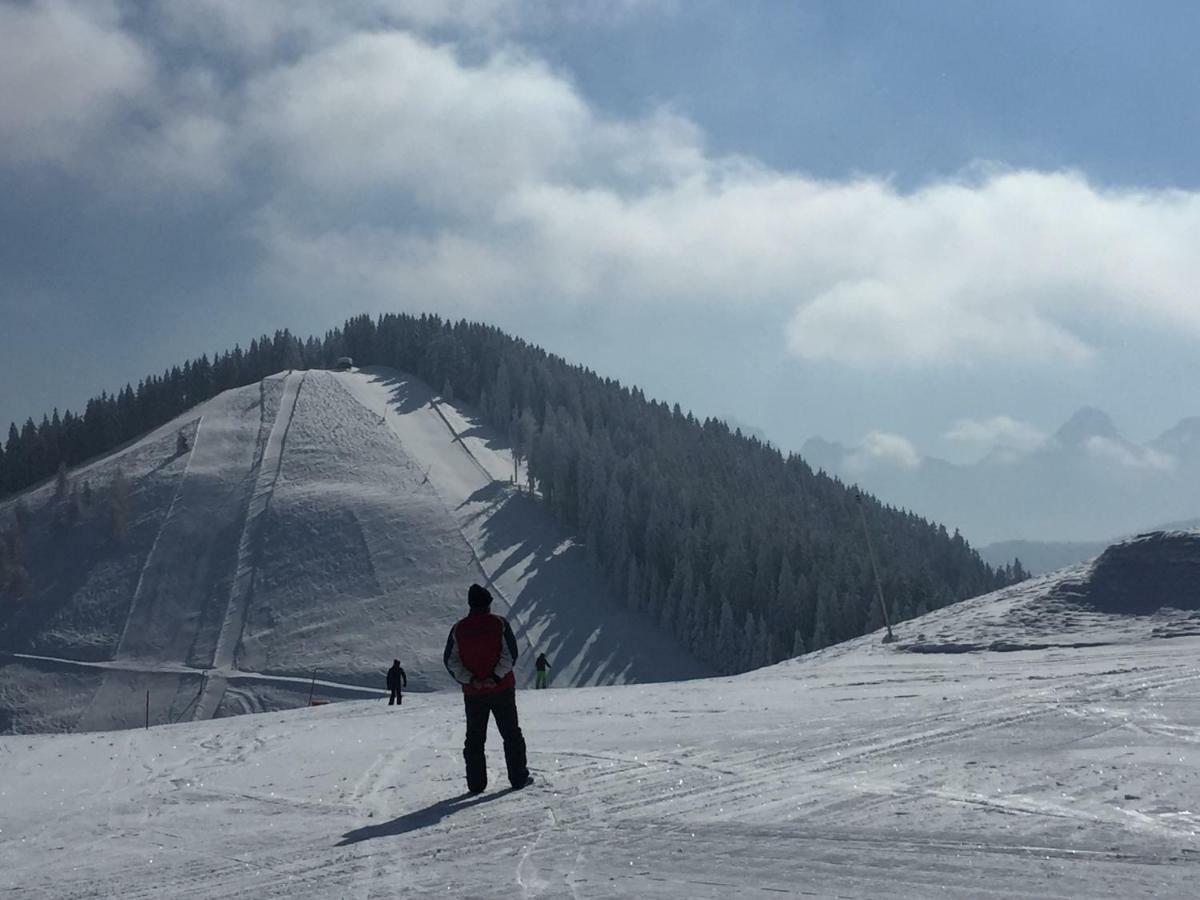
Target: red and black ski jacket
[480,647]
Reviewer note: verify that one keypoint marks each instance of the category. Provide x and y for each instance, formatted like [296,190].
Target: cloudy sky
[942,224]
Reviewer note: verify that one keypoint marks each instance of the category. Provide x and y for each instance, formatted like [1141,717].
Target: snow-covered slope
[865,770]
[1142,588]
[320,523]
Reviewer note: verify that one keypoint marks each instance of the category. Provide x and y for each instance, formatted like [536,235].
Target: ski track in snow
[998,776]
[138,598]
[267,468]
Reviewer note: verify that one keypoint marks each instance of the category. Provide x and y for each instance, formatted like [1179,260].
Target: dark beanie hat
[478,597]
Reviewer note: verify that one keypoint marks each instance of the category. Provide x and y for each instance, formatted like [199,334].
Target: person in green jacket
[541,665]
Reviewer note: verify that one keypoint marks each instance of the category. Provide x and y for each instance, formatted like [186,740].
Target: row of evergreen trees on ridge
[746,555]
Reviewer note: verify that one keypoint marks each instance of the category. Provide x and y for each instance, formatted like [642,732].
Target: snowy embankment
[865,772]
[319,523]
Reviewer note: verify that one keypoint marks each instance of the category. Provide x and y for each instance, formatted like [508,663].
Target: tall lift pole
[887,620]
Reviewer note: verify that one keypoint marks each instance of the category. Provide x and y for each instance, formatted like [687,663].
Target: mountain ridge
[742,552]
[1083,484]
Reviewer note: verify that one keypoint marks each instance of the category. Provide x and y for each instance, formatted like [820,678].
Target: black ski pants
[395,697]
[503,706]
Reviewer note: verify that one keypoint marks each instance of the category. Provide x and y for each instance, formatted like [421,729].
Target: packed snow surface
[1037,742]
[861,771]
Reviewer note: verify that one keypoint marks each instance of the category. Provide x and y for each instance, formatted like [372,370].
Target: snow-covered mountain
[1182,441]
[1036,742]
[1084,483]
[316,524]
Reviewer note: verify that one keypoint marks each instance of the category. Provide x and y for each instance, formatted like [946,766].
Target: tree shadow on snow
[421,818]
[562,598]
[564,601]
[406,395]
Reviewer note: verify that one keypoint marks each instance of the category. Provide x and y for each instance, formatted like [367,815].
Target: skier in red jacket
[480,654]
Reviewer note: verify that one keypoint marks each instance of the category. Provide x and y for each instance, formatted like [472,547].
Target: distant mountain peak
[1182,438]
[1085,424]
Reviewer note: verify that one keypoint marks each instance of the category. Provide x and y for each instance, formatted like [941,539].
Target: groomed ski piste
[319,525]
[922,769]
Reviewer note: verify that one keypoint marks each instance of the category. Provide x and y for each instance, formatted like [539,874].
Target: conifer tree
[825,620]
[20,584]
[22,518]
[749,642]
[727,640]
[1019,572]
[632,584]
[74,506]
[782,607]
[521,435]
[699,640]
[14,577]
[799,648]
[17,477]
[5,559]
[118,507]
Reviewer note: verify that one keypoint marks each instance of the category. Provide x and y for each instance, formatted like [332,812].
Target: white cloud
[386,160]
[997,431]
[879,448]
[509,164]
[386,112]
[1128,455]
[67,70]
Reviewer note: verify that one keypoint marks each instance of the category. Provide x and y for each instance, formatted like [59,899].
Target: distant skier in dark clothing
[480,654]
[542,664]
[396,679]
